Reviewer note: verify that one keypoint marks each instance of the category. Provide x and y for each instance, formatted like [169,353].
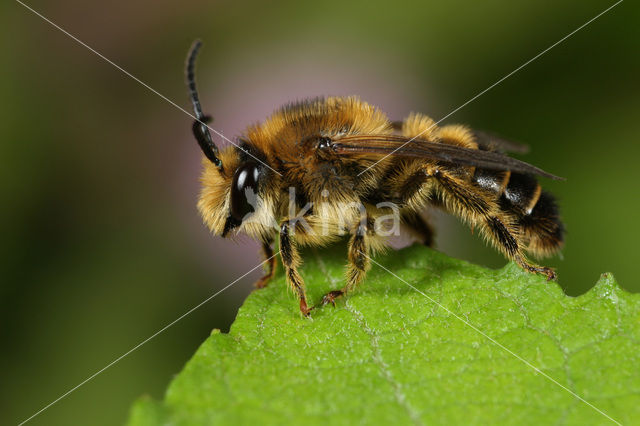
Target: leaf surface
[389,354]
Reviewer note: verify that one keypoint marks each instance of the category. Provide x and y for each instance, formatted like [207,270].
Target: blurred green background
[102,243]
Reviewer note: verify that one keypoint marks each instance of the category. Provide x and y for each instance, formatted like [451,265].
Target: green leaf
[390,354]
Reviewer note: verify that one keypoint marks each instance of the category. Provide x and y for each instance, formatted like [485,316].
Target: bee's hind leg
[359,263]
[291,261]
[476,204]
[512,248]
[270,264]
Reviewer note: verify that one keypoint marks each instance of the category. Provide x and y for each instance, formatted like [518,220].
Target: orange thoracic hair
[341,158]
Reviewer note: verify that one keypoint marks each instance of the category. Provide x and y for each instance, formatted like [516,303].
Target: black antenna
[200,128]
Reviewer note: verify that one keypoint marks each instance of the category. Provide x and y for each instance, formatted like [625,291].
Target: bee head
[230,184]
[229,195]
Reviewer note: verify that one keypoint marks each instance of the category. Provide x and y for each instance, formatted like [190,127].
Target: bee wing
[487,141]
[491,142]
[380,146]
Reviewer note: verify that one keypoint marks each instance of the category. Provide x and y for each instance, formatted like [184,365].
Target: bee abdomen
[522,191]
[515,191]
[543,227]
[491,180]
[535,210]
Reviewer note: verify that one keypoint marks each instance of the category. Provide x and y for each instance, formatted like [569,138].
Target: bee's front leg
[270,259]
[359,263]
[291,261]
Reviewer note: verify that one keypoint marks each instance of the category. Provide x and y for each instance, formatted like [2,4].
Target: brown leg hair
[291,261]
[359,262]
[476,207]
[512,248]
[270,266]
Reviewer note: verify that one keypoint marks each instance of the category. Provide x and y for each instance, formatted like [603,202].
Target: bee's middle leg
[291,261]
[359,263]
[270,260]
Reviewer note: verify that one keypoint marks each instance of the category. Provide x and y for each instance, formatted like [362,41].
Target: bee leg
[291,261]
[534,269]
[270,265]
[419,227]
[512,248]
[476,206]
[359,263]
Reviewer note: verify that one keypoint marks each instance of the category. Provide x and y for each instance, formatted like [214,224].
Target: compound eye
[243,190]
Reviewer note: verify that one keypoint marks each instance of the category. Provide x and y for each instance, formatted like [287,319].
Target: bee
[323,168]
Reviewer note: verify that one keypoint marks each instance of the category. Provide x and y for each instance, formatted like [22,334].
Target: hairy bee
[319,169]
